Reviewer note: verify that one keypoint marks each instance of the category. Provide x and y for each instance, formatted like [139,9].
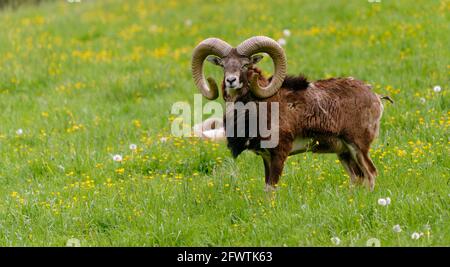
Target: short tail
[388,98]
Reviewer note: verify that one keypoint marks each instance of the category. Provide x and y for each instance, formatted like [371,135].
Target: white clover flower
[153,28]
[382,202]
[73,242]
[422,100]
[286,32]
[437,88]
[373,242]
[282,41]
[397,228]
[117,158]
[335,240]
[415,235]
[133,146]
[163,139]
[188,22]
[19,132]
[388,200]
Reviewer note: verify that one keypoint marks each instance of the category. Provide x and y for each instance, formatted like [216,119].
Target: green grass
[84,81]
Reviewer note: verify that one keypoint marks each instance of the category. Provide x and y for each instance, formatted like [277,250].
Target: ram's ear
[256,58]
[215,60]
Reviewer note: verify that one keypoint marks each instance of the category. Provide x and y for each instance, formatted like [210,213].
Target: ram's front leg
[277,159]
[266,160]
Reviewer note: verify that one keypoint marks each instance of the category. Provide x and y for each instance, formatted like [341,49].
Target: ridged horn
[263,44]
[210,46]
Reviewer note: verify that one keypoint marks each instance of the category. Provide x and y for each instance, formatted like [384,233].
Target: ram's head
[235,62]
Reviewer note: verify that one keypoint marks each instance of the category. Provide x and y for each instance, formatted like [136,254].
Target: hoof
[269,188]
[370,185]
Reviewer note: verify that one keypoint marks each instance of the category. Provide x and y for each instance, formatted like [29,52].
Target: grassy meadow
[83,82]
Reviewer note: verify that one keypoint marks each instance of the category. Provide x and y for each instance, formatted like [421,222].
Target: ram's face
[236,63]
[235,69]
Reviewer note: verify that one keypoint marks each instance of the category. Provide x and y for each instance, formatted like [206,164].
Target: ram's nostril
[231,79]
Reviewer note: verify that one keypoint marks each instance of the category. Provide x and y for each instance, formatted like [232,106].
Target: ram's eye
[245,67]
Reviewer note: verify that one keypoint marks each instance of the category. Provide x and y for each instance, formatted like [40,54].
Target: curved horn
[267,45]
[210,46]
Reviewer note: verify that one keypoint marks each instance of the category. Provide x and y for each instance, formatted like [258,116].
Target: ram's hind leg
[352,168]
[371,168]
[370,164]
[366,165]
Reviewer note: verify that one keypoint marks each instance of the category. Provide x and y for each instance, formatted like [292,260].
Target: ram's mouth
[236,87]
